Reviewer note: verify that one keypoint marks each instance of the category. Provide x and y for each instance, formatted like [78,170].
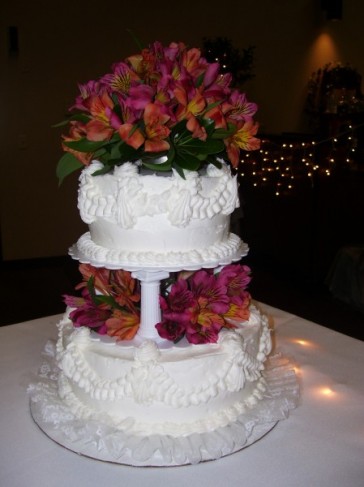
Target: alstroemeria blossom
[88,314]
[238,107]
[122,325]
[242,139]
[155,128]
[235,278]
[130,134]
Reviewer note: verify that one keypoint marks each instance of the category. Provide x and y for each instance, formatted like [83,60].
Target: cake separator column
[150,312]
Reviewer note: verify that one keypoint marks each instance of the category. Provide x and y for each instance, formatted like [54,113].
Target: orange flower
[132,136]
[122,325]
[155,128]
[242,139]
[77,131]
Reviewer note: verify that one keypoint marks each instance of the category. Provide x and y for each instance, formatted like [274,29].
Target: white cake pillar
[150,312]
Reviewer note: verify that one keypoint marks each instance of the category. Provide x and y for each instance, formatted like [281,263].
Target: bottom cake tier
[162,404]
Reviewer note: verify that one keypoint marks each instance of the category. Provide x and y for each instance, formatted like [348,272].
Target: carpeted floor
[32,289]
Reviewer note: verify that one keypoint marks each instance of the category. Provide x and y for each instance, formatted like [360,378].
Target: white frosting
[172,390]
[158,219]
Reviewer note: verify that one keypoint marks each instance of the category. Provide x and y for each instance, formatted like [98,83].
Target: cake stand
[150,276]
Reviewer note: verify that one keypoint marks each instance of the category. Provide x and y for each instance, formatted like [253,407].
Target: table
[321,444]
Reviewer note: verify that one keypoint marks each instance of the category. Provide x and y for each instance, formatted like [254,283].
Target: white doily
[110,444]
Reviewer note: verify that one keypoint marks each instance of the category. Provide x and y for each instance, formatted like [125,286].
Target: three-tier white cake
[173,372]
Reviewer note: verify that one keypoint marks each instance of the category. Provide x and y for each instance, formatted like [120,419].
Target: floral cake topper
[164,108]
[195,305]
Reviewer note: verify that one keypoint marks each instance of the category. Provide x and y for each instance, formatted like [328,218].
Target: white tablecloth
[321,443]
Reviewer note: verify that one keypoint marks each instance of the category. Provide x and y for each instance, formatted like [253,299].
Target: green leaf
[197,146]
[99,153]
[76,116]
[67,164]
[187,161]
[208,124]
[116,149]
[91,288]
[179,130]
[104,170]
[212,105]
[179,169]
[85,145]
[200,79]
[224,133]
[164,166]
[109,300]
[60,124]
[214,161]
[136,39]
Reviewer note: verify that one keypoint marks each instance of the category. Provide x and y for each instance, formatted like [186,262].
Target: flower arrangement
[164,108]
[109,303]
[197,305]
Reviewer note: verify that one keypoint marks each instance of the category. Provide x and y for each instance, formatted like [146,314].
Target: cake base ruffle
[107,443]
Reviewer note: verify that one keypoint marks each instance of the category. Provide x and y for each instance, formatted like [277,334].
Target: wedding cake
[163,358]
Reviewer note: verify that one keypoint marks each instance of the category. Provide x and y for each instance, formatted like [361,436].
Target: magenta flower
[209,292]
[198,334]
[121,79]
[171,330]
[89,314]
[140,96]
[235,278]
[109,303]
[177,307]
[238,107]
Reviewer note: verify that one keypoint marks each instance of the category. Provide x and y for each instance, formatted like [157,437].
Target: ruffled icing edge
[107,443]
[221,253]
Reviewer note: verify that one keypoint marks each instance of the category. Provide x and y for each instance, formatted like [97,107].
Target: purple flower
[171,330]
[235,278]
[209,292]
[87,313]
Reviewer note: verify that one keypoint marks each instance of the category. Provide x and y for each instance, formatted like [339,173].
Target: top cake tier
[158,221]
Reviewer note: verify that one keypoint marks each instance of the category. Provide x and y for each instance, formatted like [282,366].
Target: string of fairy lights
[281,166]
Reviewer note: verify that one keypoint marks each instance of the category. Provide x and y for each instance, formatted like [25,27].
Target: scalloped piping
[87,249]
[129,199]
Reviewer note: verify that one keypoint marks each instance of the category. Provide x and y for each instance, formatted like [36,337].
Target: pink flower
[140,96]
[121,79]
[171,330]
[209,292]
[90,315]
[238,107]
[198,334]
[235,278]
[109,302]
[177,307]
